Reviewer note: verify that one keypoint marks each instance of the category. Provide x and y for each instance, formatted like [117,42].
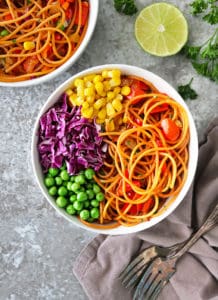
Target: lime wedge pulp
[161,29]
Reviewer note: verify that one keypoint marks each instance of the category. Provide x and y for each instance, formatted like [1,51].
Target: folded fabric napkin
[197,271]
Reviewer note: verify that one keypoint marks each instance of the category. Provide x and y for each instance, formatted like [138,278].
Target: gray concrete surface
[37,246]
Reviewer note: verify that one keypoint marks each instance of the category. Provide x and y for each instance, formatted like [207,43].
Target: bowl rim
[94,9]
[193,146]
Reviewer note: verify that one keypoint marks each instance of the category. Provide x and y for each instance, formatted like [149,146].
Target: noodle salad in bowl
[115,149]
[41,39]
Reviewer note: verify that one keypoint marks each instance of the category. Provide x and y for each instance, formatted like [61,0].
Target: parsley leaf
[126,7]
[187,92]
[204,58]
[208,9]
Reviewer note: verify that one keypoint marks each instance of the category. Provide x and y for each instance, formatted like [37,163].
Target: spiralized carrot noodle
[144,165]
[38,36]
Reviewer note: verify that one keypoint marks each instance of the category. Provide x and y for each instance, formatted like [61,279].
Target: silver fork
[161,269]
[131,274]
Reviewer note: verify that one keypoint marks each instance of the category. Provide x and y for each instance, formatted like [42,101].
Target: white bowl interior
[94,6]
[162,86]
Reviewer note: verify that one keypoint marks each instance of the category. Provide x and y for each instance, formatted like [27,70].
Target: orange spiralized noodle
[143,168]
[55,30]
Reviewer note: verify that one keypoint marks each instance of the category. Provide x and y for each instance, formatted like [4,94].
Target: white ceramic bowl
[161,85]
[93,14]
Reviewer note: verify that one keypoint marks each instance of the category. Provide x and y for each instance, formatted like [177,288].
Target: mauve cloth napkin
[98,266]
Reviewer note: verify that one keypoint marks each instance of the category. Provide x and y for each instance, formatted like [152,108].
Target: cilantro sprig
[204,58]
[187,92]
[126,7]
[207,8]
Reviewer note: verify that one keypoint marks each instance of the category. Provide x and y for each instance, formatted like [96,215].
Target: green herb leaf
[187,92]
[126,7]
[208,9]
[204,58]
[212,16]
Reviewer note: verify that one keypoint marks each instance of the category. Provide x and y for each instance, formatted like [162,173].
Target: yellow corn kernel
[90,99]
[80,91]
[99,87]
[125,119]
[29,45]
[110,125]
[115,81]
[114,73]
[102,113]
[117,90]
[110,96]
[69,92]
[78,82]
[119,97]
[97,78]
[125,91]
[89,91]
[117,105]
[110,109]
[89,84]
[72,99]
[85,105]
[99,121]
[89,77]
[87,113]
[107,86]
[99,103]
[104,74]
[79,100]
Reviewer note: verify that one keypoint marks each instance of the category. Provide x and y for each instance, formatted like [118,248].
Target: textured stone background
[37,246]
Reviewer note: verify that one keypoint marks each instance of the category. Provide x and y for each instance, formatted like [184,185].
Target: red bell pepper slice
[84,16]
[138,88]
[170,130]
[160,108]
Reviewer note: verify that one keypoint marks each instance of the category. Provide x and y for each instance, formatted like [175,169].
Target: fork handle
[210,222]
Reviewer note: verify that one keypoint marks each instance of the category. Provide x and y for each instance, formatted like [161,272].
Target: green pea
[80,179]
[61,201]
[4,32]
[49,181]
[86,204]
[96,188]
[64,183]
[89,186]
[84,214]
[69,185]
[73,198]
[70,209]
[53,171]
[95,203]
[82,196]
[62,191]
[100,196]
[72,178]
[78,205]
[64,175]
[58,180]
[75,187]
[89,173]
[64,166]
[94,213]
[90,194]
[53,191]
[82,189]
[90,220]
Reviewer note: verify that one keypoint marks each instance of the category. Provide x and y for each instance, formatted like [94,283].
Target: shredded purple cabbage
[65,136]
